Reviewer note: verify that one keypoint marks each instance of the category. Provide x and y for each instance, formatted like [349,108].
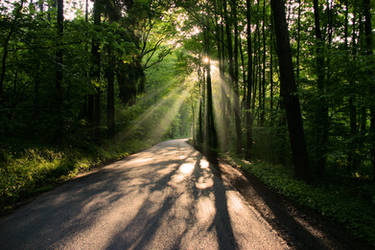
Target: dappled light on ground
[153,200]
[186,168]
[204,164]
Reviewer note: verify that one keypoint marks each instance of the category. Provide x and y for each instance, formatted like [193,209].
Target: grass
[33,170]
[352,205]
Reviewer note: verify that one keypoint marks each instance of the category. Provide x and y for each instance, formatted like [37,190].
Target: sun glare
[206,60]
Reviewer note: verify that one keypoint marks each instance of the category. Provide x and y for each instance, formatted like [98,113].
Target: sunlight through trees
[284,82]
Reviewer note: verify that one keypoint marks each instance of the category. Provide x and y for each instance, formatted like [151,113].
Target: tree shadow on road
[300,230]
[74,207]
[202,185]
[222,220]
[159,195]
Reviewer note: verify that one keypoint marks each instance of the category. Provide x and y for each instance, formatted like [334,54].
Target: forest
[283,89]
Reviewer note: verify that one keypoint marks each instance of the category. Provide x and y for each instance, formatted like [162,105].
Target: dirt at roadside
[301,227]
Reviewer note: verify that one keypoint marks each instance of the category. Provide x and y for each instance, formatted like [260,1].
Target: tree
[288,92]
[369,51]
[13,26]
[59,66]
[321,113]
[249,119]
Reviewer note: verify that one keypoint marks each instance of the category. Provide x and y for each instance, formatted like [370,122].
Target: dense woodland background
[290,89]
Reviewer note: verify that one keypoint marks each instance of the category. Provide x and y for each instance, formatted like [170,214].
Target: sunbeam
[166,121]
[223,103]
[173,102]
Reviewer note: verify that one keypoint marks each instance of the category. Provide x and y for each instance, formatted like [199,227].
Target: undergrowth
[350,205]
[35,169]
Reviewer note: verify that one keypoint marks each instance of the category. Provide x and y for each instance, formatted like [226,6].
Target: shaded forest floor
[27,170]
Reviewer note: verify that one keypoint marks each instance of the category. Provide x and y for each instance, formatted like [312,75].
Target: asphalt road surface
[167,197]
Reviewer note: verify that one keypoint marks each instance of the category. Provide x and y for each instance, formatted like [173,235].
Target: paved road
[167,197]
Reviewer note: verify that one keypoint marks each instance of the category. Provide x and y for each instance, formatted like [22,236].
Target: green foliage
[351,205]
[35,170]
[271,144]
[44,142]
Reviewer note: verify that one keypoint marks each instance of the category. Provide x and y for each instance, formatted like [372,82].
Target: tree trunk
[211,135]
[287,90]
[369,44]
[228,28]
[352,156]
[217,34]
[5,48]
[271,72]
[211,129]
[298,38]
[263,104]
[59,53]
[59,68]
[235,81]
[254,76]
[201,107]
[95,74]
[243,73]
[110,94]
[249,120]
[321,114]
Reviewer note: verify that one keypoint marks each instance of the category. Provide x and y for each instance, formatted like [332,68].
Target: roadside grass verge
[352,206]
[37,169]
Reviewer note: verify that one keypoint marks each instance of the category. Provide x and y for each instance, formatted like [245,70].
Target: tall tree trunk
[259,78]
[287,90]
[228,28]
[87,106]
[6,45]
[263,104]
[225,102]
[321,114]
[222,35]
[110,93]
[298,39]
[254,76]
[59,65]
[352,157]
[95,73]
[201,108]
[363,109]
[369,44]
[271,73]
[219,43]
[243,73]
[249,120]
[237,116]
[210,123]
[211,134]
[87,11]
